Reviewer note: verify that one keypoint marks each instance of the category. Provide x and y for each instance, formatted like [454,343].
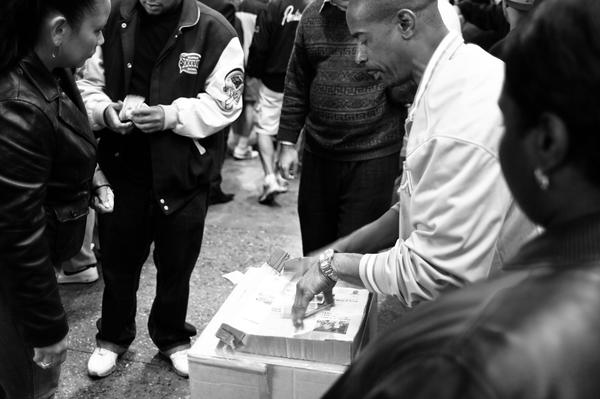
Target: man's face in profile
[158,7]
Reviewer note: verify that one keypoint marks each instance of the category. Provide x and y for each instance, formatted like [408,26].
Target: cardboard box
[264,321]
[219,372]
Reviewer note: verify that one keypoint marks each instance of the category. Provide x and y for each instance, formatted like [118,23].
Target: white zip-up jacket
[458,220]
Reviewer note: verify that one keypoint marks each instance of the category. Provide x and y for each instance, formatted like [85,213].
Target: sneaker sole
[102,375]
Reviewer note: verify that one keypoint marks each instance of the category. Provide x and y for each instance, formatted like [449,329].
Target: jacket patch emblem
[188,63]
[233,88]
[289,15]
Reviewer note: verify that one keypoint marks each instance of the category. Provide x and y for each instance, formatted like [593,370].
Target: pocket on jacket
[65,228]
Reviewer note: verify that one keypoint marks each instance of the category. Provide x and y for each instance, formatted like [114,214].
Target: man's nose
[361,55]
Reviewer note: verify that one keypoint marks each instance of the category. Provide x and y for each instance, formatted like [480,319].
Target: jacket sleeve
[259,49]
[484,16]
[298,80]
[456,215]
[26,144]
[219,105]
[91,82]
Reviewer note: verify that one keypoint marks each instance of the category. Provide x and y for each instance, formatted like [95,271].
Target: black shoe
[219,197]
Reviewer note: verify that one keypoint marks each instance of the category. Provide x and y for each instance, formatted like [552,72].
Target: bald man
[456,221]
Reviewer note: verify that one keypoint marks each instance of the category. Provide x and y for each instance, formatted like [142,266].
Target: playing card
[131,102]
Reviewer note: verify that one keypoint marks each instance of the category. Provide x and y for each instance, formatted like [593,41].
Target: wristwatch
[326,264]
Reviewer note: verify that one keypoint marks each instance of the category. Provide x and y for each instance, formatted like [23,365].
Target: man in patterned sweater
[353,132]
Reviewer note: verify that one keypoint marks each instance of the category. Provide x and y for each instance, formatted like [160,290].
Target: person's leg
[20,377]
[126,235]
[267,125]
[217,196]
[317,202]
[366,191]
[178,238]
[81,268]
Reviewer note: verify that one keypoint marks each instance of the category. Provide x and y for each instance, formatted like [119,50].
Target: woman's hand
[104,199]
[51,355]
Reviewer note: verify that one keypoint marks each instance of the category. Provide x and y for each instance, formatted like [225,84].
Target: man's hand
[104,200]
[310,284]
[149,119]
[111,118]
[52,355]
[288,161]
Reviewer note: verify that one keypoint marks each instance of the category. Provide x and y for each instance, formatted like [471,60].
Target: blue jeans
[126,236]
[20,377]
[337,197]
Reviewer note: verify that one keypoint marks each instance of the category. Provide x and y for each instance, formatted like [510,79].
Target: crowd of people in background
[446,150]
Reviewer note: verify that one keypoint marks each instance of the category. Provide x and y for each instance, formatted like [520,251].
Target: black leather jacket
[47,159]
[533,333]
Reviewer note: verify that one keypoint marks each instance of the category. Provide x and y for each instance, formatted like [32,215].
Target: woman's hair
[21,20]
[553,65]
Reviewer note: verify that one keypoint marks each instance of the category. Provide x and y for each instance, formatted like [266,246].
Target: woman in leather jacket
[47,160]
[533,332]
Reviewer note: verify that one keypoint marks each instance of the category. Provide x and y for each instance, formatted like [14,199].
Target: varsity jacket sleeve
[218,106]
[259,49]
[455,215]
[91,82]
[298,80]
[25,264]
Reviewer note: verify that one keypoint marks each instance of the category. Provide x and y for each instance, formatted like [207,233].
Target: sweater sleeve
[298,79]
[27,143]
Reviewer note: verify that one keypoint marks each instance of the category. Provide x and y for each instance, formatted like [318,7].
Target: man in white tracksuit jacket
[457,219]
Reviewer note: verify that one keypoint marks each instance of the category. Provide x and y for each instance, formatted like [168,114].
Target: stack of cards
[131,103]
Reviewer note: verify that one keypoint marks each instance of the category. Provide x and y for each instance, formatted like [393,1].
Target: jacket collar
[574,242]
[40,76]
[190,12]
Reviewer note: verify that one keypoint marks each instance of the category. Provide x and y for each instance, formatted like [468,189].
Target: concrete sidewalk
[237,235]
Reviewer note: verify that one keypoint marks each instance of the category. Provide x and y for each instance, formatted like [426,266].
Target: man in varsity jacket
[184,60]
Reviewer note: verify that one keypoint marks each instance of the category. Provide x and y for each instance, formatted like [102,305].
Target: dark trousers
[126,236]
[20,377]
[337,197]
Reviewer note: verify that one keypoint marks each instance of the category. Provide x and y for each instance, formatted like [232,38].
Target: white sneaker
[102,362]
[179,361]
[242,154]
[87,275]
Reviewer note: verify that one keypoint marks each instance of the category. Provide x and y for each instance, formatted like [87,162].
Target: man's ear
[58,29]
[550,142]
[406,21]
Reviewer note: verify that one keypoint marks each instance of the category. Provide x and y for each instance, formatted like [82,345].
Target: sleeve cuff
[97,116]
[171,119]
[365,269]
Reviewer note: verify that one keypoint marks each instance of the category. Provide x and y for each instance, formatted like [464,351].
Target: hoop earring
[55,51]
[541,179]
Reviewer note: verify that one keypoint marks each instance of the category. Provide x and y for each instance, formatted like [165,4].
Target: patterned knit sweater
[345,112]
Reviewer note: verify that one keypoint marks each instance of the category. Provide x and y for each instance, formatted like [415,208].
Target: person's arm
[26,148]
[295,108]
[457,210]
[101,110]
[218,106]
[259,49]
[296,94]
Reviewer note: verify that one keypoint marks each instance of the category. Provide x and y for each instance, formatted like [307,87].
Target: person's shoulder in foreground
[529,334]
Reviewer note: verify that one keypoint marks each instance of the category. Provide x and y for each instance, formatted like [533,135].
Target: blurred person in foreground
[456,221]
[532,333]
[48,158]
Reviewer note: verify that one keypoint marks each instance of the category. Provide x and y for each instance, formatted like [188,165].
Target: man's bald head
[382,10]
